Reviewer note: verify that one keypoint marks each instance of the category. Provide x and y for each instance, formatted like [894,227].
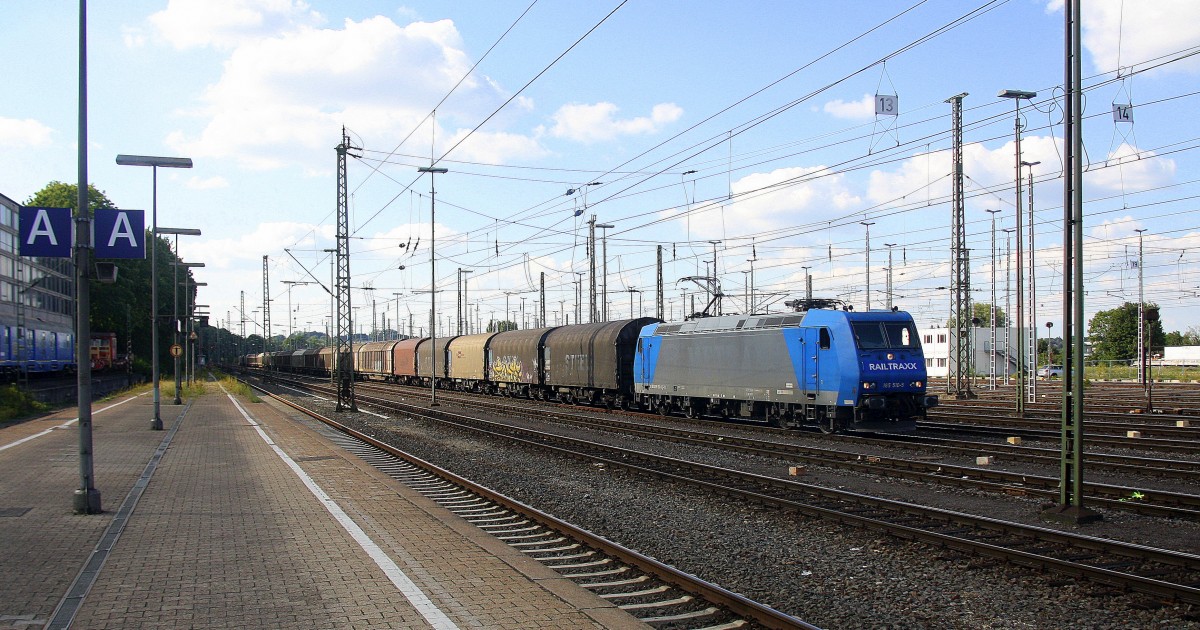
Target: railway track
[1158,572]
[1136,499]
[653,592]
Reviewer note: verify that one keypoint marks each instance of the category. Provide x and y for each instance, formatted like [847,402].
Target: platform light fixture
[154,162]
[177,265]
[1017,96]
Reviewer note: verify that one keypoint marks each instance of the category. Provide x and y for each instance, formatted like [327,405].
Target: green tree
[501,325]
[982,311]
[124,306]
[1114,333]
[59,195]
[1189,338]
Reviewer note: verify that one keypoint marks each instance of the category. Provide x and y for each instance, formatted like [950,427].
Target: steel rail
[759,485]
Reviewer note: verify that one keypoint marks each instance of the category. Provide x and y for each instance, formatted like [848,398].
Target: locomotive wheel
[775,418]
[662,407]
[691,411]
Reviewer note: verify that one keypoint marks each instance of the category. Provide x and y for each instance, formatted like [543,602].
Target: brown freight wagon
[465,361]
[373,360]
[425,364]
[593,363]
[404,360]
[514,362]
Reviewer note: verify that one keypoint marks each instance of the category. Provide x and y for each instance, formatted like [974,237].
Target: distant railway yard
[939,527]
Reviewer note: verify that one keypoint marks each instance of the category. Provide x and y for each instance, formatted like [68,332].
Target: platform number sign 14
[1122,113]
[887,105]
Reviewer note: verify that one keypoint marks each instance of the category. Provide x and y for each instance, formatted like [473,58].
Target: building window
[941,362]
[941,338]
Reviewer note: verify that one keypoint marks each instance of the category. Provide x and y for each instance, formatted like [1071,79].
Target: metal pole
[1031,394]
[992,309]
[1141,314]
[1017,95]
[868,225]
[156,423]
[432,170]
[592,314]
[1008,307]
[175,318]
[890,301]
[87,498]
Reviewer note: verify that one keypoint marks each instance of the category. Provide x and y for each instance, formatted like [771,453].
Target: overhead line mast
[344,371]
[958,385]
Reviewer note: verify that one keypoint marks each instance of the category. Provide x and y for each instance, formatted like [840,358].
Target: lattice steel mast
[958,383]
[345,326]
[266,308]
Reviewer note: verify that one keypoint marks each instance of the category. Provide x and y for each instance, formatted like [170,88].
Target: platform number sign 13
[887,105]
[1122,113]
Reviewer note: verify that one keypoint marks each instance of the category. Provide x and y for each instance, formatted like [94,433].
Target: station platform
[242,515]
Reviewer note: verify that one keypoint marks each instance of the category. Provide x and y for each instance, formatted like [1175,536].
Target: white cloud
[926,176]
[862,108]
[765,201]
[1126,32]
[281,99]
[598,122]
[228,23]
[496,147]
[1130,169]
[24,133]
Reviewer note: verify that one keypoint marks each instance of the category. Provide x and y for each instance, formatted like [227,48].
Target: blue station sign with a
[50,232]
[45,232]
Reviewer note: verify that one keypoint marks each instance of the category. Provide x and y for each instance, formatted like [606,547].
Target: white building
[936,344]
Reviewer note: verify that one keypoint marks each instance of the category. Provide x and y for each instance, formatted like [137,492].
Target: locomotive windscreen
[881,335]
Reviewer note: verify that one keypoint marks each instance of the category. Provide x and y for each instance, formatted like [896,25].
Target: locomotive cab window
[901,335]
[824,340]
[879,335]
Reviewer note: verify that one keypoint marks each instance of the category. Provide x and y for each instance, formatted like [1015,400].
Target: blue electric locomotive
[835,369]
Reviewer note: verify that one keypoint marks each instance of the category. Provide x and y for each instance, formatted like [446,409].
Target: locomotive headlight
[918,384]
[867,385]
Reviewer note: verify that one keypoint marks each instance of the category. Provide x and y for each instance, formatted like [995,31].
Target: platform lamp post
[1017,96]
[195,337]
[189,330]
[177,232]
[433,171]
[868,224]
[189,371]
[177,265]
[154,162]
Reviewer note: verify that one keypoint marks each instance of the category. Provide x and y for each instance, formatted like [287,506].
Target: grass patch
[239,388]
[16,404]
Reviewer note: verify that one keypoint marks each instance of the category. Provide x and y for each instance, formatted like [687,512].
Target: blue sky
[771,104]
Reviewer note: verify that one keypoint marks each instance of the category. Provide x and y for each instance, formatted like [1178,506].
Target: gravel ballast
[825,573]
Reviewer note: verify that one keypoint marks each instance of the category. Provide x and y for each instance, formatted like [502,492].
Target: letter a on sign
[45,232]
[120,233]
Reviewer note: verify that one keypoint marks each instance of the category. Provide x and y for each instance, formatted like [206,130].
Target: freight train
[827,367]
